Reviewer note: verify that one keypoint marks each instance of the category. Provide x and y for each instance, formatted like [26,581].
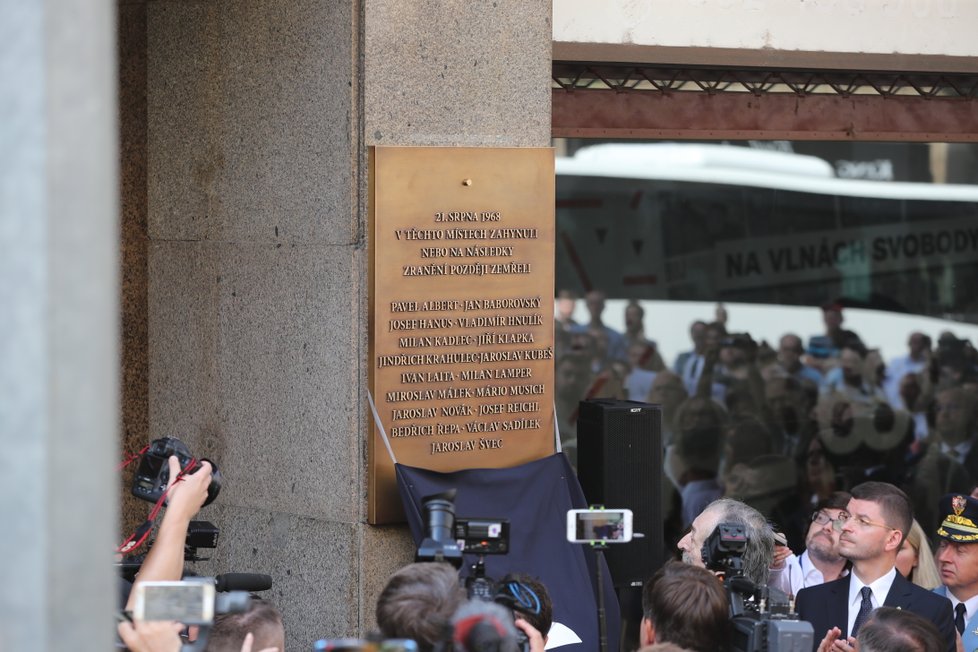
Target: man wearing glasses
[821,561]
[873,527]
[957,559]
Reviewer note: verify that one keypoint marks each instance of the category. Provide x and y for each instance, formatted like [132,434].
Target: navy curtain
[535,498]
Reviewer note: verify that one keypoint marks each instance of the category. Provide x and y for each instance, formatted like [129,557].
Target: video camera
[200,534]
[762,620]
[447,538]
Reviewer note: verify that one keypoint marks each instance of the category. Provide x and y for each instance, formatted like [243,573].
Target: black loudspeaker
[619,465]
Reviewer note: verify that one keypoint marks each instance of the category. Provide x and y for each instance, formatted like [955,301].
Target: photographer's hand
[532,634]
[781,554]
[151,636]
[164,561]
[187,496]
[830,637]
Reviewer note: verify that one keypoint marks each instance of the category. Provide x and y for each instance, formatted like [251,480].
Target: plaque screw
[466,182]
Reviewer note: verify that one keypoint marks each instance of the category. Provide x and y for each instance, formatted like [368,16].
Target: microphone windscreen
[243,582]
[480,626]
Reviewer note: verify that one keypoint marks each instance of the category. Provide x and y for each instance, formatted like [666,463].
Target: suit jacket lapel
[838,604]
[899,595]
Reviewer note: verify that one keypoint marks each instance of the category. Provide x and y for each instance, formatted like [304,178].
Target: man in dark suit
[873,527]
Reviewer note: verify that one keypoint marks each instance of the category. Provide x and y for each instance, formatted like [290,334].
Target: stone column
[449,73]
[259,117]
[59,337]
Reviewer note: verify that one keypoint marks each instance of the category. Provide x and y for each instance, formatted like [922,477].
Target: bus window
[803,332]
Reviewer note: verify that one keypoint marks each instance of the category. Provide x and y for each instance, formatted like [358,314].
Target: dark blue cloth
[535,498]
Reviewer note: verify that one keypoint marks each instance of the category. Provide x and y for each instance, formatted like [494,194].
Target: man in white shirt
[821,561]
[874,525]
[957,560]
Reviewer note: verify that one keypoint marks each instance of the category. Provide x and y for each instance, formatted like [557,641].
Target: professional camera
[762,620]
[439,542]
[153,473]
[447,538]
[200,534]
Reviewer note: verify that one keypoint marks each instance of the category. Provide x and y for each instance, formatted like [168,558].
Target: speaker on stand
[619,465]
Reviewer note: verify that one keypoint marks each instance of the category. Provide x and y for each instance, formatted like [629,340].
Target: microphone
[242,582]
[480,626]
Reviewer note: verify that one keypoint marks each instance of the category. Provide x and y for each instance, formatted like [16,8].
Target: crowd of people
[852,585]
[783,425]
[848,582]
[841,468]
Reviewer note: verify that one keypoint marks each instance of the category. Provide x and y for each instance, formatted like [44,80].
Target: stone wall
[259,115]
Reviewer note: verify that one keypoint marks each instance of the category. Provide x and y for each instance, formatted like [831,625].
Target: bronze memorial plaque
[461,311]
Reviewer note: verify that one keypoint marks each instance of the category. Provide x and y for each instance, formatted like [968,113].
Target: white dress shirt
[880,589]
[970,606]
[798,573]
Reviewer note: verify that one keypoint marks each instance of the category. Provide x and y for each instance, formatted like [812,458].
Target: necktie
[865,608]
[959,617]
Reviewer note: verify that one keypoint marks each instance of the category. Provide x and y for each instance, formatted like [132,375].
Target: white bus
[772,235]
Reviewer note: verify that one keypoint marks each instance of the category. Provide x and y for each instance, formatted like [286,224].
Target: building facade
[221,149]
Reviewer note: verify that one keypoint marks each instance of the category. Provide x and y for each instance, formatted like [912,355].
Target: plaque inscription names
[461,342]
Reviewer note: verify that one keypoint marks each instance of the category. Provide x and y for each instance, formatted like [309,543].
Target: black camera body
[200,534]
[761,619]
[447,538]
[153,473]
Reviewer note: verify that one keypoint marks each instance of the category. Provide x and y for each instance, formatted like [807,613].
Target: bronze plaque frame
[461,311]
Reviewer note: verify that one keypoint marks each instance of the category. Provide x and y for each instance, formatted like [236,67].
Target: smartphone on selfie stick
[598,527]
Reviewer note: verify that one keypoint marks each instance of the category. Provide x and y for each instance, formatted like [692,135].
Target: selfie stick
[600,547]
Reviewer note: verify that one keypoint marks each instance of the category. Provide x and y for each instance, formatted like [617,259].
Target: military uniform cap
[960,518]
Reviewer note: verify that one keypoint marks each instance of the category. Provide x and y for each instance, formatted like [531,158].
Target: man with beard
[957,559]
[874,525]
[821,561]
[759,550]
[848,379]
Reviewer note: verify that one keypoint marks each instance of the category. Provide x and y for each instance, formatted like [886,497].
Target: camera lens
[440,515]
[215,486]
